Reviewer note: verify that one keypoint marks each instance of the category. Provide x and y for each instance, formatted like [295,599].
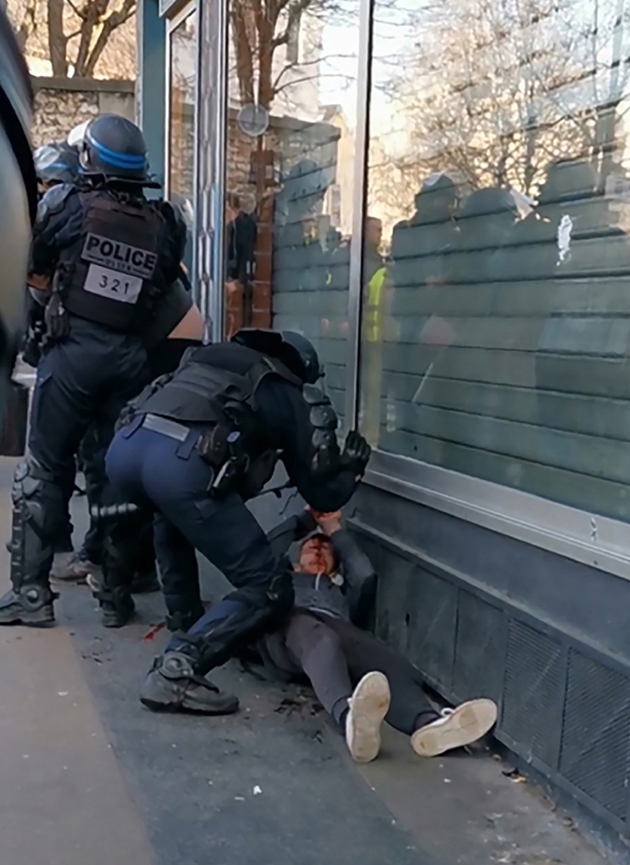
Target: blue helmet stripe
[133,162]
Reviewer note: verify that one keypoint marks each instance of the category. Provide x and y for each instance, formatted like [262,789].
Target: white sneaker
[456,728]
[368,706]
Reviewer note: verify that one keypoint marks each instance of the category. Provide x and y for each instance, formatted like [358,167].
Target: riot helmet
[56,163]
[18,196]
[295,351]
[308,359]
[114,148]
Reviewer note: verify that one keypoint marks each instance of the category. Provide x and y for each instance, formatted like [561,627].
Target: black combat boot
[30,605]
[183,620]
[117,607]
[173,685]
[145,582]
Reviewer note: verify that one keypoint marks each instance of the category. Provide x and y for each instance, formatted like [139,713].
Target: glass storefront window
[181,132]
[292,91]
[495,336]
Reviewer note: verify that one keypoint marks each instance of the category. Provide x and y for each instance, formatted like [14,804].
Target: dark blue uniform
[86,374]
[160,468]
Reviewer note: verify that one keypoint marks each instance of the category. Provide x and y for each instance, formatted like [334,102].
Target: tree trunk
[113,21]
[243,52]
[94,12]
[266,28]
[57,42]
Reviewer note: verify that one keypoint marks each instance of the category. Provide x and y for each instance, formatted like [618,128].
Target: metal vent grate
[532,697]
[595,747]
[479,649]
[395,575]
[432,617]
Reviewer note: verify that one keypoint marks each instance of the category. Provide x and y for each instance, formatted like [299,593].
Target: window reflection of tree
[502,354]
[496,91]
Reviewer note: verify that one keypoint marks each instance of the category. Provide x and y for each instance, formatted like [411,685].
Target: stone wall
[61,103]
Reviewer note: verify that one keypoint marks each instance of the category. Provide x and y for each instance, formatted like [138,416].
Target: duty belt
[225,470]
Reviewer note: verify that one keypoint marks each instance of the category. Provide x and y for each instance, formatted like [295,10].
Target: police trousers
[163,359]
[81,381]
[166,473]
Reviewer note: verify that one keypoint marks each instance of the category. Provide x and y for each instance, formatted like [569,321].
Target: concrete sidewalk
[89,775]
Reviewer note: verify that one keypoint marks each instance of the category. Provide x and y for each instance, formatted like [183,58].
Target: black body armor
[111,275]
[215,387]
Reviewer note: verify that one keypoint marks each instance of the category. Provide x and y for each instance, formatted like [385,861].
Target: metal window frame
[593,540]
[211,162]
[360,187]
[171,25]
[171,8]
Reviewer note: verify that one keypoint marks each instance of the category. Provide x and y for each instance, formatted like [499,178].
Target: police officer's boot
[117,607]
[145,582]
[113,590]
[30,600]
[174,685]
[183,620]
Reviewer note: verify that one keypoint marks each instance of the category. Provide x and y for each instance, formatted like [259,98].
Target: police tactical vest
[217,384]
[112,275]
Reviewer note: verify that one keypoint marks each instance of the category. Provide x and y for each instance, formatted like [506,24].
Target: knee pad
[37,497]
[39,514]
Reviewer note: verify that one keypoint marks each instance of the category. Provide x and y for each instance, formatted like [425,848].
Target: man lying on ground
[358,680]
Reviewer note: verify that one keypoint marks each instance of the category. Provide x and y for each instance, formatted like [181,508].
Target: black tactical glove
[356,454]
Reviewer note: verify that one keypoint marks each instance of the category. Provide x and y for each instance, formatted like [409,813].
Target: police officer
[102,256]
[55,163]
[195,446]
[18,197]
[176,326]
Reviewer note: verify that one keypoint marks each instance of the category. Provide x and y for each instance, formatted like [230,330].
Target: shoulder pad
[165,207]
[166,210]
[54,199]
[314,395]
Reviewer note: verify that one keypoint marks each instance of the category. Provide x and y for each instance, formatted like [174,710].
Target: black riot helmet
[114,148]
[294,350]
[18,195]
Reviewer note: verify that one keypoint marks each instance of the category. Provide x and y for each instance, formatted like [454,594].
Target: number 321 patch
[112,284]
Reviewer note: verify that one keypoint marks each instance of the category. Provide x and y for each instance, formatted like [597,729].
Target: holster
[221,448]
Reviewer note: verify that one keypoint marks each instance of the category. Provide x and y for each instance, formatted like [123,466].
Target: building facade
[437,196]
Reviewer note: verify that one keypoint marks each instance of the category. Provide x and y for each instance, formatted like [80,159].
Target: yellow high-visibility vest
[372,312]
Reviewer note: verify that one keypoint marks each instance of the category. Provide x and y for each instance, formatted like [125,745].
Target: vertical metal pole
[358,214]
[197,138]
[150,87]
[201,284]
[212,111]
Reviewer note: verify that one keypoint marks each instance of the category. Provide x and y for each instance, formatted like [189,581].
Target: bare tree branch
[110,23]
[57,42]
